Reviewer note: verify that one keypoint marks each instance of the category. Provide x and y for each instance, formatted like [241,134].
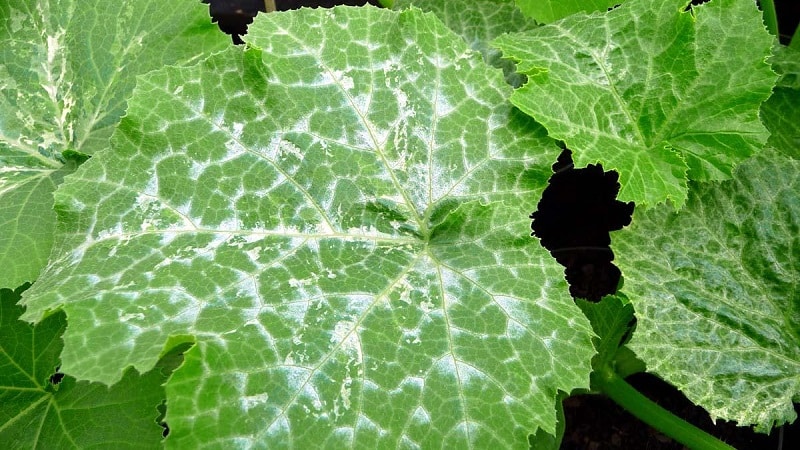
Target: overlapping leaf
[716,289]
[479,22]
[66,69]
[338,217]
[651,91]
[37,413]
[546,11]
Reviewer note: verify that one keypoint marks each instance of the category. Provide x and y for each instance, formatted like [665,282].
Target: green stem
[770,16]
[388,4]
[611,384]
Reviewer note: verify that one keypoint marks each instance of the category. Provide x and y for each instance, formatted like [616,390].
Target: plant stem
[770,16]
[611,384]
[388,4]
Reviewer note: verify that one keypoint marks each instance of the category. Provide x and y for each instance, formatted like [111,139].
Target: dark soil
[582,204]
[595,422]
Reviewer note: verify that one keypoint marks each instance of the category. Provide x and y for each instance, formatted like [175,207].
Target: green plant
[330,224]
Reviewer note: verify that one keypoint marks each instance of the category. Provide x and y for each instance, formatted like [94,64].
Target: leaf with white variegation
[715,289]
[67,69]
[658,94]
[478,23]
[338,218]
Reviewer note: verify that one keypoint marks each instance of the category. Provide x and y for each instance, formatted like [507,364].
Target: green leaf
[27,220]
[68,68]
[650,91]
[478,23]
[36,413]
[781,113]
[338,216]
[611,320]
[786,63]
[546,11]
[715,291]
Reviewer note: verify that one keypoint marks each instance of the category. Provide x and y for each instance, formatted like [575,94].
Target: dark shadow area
[577,211]
[234,16]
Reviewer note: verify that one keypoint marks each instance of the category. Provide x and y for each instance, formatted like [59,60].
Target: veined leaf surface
[715,289]
[479,22]
[36,413]
[338,218]
[653,92]
[66,69]
[546,11]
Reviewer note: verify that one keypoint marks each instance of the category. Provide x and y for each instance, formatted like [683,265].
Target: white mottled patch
[470,429]
[237,128]
[443,105]
[279,429]
[459,372]
[116,230]
[131,316]
[421,416]
[249,402]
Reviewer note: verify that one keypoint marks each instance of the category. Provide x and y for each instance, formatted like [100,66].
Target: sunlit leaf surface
[658,94]
[338,218]
[66,69]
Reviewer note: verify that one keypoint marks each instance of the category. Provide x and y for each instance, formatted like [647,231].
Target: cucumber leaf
[658,94]
[337,217]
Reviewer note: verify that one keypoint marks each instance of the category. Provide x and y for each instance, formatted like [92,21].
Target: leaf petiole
[611,384]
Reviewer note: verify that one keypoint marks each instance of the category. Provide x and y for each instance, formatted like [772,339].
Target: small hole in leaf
[573,219]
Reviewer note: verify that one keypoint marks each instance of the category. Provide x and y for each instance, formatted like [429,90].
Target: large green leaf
[650,91]
[67,69]
[546,11]
[715,289]
[338,217]
[37,412]
[479,22]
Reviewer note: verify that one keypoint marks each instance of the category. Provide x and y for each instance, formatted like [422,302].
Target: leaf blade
[333,239]
[637,89]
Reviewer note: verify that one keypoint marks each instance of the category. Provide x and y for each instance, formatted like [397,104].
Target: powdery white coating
[197,168]
[334,77]
[365,422]
[443,106]
[343,402]
[279,429]
[469,429]
[150,190]
[516,312]
[131,316]
[421,416]
[112,232]
[461,373]
[345,334]
[249,402]
[236,130]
